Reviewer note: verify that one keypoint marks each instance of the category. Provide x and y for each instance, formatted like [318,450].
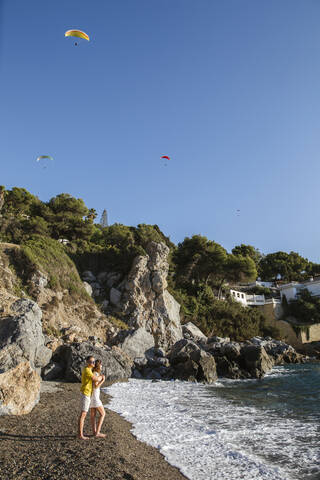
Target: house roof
[300,284]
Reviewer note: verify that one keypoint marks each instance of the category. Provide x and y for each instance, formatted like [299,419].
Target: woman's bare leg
[93,412]
[102,413]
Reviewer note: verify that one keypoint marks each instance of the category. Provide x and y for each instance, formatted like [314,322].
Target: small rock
[115,296]
[88,276]
[87,288]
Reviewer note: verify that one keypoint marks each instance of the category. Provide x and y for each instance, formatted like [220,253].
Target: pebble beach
[43,444]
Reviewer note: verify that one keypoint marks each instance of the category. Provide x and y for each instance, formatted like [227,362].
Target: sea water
[234,429]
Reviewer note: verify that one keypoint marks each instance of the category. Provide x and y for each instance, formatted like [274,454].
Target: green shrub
[305,309]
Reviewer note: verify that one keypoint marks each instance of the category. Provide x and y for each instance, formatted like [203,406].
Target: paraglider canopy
[43,160]
[77,33]
[165,157]
[42,157]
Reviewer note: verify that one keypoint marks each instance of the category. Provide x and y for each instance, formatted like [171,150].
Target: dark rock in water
[21,337]
[279,351]
[151,363]
[255,360]
[187,370]
[116,365]
[136,374]
[252,358]
[191,362]
[229,369]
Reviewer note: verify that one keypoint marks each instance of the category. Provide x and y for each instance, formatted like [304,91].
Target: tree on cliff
[198,259]
[248,251]
[290,266]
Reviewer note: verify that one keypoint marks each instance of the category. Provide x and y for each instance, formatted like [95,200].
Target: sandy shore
[43,445]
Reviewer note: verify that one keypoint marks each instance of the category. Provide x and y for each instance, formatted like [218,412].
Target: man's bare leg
[93,413]
[81,423]
[102,413]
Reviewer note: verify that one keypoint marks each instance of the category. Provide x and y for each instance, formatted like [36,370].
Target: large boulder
[190,331]
[279,351]
[256,360]
[145,300]
[116,365]
[135,343]
[19,390]
[240,360]
[191,362]
[21,337]
[230,369]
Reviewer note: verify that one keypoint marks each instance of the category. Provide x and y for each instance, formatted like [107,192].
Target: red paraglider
[166,157]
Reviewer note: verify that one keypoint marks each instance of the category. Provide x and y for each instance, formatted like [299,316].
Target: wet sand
[43,444]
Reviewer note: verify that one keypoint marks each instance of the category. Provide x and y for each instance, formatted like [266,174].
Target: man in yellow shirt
[86,392]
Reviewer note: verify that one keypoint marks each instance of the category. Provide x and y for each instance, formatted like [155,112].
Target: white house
[292,289]
[247,300]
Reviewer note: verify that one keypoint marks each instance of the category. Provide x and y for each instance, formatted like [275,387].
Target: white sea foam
[206,436]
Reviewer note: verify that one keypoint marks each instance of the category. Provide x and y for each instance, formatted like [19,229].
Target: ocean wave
[208,436]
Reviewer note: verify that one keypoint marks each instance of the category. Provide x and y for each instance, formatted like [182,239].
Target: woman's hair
[97,366]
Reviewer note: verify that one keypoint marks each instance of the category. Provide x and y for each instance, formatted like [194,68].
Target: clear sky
[229,89]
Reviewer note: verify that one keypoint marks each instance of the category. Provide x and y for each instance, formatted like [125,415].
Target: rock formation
[68,360]
[19,390]
[134,343]
[251,359]
[190,362]
[145,301]
[22,354]
[192,332]
[21,337]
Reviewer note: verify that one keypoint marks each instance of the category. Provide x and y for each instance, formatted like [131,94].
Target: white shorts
[84,402]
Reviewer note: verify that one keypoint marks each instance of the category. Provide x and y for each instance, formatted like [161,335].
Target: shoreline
[43,444]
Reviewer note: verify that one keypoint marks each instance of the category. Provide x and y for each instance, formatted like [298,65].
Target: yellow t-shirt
[86,382]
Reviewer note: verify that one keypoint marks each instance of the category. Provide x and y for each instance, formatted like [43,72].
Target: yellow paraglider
[78,34]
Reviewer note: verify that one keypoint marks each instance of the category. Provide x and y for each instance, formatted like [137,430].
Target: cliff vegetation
[60,239]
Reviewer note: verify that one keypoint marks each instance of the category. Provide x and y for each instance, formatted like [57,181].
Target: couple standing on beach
[91,381]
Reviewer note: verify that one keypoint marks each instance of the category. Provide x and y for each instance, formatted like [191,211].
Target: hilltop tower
[104,219]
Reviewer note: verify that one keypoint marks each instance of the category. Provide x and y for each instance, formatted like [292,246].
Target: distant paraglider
[165,157]
[238,213]
[77,34]
[43,160]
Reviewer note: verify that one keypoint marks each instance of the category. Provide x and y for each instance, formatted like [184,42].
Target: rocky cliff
[63,314]
[142,301]
[52,281]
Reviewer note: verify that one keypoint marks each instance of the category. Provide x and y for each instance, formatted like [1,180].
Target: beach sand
[43,444]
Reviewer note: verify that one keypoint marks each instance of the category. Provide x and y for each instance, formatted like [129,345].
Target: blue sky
[229,89]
